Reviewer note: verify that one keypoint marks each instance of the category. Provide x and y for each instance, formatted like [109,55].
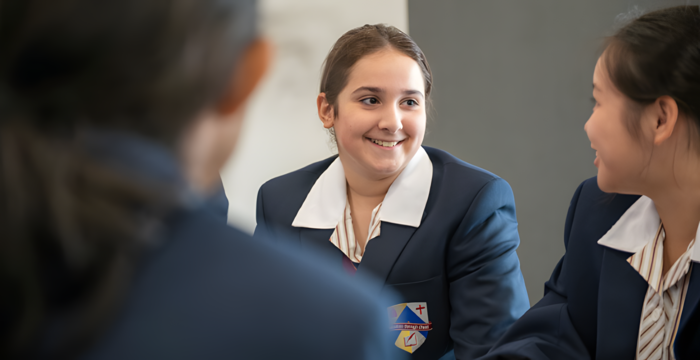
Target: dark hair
[70,234]
[363,41]
[658,54]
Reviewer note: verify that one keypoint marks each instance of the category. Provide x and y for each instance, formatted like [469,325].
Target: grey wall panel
[512,93]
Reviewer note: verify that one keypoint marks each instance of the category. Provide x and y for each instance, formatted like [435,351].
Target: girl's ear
[325,111]
[665,116]
[248,73]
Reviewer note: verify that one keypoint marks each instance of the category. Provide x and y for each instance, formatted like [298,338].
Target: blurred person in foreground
[115,118]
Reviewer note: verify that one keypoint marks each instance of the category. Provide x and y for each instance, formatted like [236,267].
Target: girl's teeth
[385,143]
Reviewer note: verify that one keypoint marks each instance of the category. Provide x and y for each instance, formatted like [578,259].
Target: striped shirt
[664,300]
[344,235]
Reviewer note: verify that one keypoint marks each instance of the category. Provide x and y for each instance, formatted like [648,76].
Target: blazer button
[656,314]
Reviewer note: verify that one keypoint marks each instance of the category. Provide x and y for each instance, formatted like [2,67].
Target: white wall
[282,132]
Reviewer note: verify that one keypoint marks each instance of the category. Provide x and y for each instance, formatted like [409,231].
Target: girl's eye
[370,101]
[411,102]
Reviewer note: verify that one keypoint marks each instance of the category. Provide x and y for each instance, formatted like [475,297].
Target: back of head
[141,67]
[658,54]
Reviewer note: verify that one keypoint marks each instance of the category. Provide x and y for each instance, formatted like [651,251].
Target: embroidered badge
[410,320]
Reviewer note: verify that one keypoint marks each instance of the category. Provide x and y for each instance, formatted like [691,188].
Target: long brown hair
[70,232]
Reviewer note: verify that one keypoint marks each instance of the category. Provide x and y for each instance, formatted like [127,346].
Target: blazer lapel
[687,345]
[381,253]
[318,241]
[620,301]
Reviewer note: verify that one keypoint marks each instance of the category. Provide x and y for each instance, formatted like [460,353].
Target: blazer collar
[403,204]
[638,226]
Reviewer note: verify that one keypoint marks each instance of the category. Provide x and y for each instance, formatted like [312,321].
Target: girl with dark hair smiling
[440,232]
[628,286]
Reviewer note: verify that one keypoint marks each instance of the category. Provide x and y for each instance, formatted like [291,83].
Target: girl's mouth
[388,144]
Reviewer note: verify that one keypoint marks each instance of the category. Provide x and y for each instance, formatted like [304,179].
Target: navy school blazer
[593,301]
[205,290]
[461,260]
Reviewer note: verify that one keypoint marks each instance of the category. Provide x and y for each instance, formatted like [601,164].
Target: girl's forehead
[602,83]
[598,71]
[387,54]
[386,67]
[601,78]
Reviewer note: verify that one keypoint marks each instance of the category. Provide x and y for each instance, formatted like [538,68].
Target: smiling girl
[629,284]
[440,232]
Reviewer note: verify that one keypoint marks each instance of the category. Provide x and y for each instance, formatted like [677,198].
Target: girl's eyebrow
[369,88]
[413,92]
[379,90]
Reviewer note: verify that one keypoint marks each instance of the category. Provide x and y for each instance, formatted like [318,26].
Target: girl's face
[619,156]
[380,115]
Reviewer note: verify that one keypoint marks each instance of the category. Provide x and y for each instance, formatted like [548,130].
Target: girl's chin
[608,185]
[377,167]
[384,171]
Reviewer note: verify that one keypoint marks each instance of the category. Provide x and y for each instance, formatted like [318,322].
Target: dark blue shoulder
[224,290]
[280,198]
[459,186]
[302,176]
[593,212]
[590,197]
[450,168]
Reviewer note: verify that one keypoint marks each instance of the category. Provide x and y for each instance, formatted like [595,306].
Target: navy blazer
[461,260]
[205,290]
[593,301]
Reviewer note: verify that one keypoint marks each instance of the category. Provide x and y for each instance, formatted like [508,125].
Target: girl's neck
[364,195]
[674,186]
[672,181]
[679,210]
[680,215]
[362,189]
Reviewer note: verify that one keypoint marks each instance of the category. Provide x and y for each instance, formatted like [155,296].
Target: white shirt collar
[637,227]
[403,204]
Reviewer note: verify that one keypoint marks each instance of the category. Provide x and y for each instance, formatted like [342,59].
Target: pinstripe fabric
[664,300]
[344,235]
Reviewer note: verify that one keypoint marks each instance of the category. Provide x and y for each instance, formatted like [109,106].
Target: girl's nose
[391,120]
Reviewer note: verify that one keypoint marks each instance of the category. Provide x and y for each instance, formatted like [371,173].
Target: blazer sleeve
[487,291]
[546,331]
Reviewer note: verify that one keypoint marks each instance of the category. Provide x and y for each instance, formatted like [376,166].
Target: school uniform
[446,244]
[204,290]
[607,298]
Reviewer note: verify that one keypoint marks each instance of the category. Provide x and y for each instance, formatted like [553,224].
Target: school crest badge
[410,321]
